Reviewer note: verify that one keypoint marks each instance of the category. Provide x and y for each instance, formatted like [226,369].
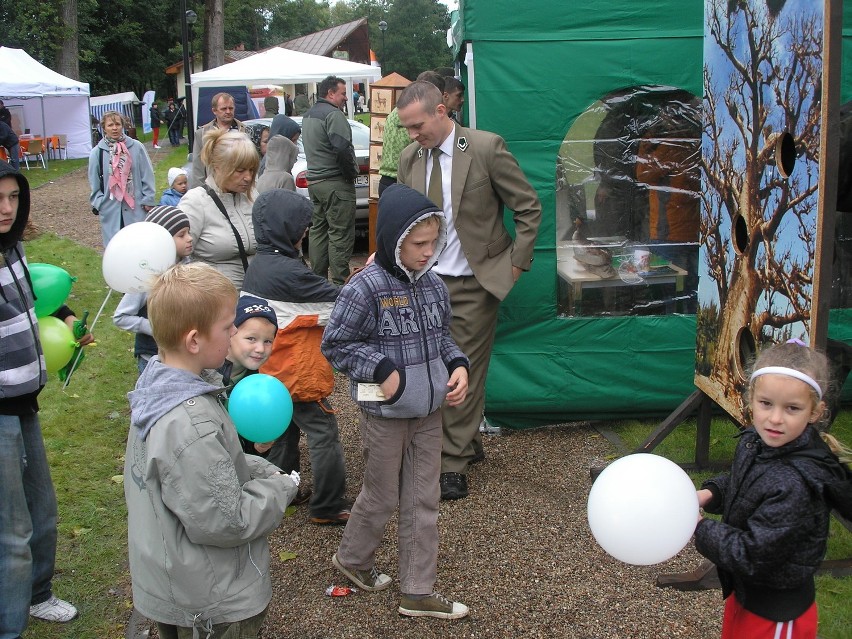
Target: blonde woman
[121,178]
[219,210]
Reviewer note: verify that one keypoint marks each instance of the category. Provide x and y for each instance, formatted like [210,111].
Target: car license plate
[361,180]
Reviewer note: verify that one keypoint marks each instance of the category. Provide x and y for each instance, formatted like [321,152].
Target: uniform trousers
[28,515]
[472,328]
[245,629]
[332,234]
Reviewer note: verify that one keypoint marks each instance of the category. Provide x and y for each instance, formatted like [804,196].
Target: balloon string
[91,330]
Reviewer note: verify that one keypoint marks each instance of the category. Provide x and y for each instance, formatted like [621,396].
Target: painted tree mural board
[765,206]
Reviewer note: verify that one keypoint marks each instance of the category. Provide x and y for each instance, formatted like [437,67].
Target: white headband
[789,372]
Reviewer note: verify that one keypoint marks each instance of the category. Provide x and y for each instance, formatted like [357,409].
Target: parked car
[361,142]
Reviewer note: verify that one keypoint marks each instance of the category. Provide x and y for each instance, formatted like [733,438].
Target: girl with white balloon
[776,500]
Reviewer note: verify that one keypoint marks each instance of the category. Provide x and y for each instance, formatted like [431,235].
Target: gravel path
[518,551]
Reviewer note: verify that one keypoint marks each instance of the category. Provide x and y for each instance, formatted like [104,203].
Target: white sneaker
[54,609]
[157,146]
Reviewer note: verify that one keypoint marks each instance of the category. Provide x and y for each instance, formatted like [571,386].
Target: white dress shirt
[452,261]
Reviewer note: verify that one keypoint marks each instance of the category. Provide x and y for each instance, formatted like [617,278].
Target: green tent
[532,71]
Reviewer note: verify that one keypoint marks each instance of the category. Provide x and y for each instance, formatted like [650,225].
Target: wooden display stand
[383,96]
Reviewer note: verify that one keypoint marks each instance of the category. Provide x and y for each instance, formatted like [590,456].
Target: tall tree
[214,34]
[294,18]
[32,26]
[247,22]
[415,39]
[68,55]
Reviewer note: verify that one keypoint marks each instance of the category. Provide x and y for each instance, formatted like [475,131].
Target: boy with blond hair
[199,509]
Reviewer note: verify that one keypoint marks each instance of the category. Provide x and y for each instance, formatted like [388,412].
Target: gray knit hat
[169,217]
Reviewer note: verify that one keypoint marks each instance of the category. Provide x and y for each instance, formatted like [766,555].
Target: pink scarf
[120,182]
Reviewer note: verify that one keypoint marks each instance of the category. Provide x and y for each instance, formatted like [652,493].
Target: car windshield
[360,133]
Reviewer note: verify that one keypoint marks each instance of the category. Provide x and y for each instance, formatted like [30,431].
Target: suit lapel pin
[462,144]
[420,153]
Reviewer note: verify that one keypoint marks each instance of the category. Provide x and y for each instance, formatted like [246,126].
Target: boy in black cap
[251,345]
[131,314]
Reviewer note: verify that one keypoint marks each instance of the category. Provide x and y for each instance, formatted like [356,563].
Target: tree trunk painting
[761,163]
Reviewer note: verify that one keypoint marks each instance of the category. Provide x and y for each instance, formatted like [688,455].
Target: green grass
[55,169]
[834,596]
[85,429]
[162,159]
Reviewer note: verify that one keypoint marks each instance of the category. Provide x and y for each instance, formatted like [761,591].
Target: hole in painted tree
[740,234]
[785,154]
[746,351]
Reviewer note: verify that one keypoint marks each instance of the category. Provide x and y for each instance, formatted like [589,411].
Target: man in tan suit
[481,262]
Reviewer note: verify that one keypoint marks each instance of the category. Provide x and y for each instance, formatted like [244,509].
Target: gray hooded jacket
[390,318]
[281,155]
[198,509]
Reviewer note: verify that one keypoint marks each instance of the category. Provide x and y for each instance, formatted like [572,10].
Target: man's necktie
[436,189]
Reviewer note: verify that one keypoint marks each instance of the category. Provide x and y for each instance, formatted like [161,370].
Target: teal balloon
[260,407]
[57,342]
[51,286]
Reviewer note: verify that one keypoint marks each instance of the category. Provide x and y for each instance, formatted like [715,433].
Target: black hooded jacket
[278,272]
[23,373]
[301,299]
[775,506]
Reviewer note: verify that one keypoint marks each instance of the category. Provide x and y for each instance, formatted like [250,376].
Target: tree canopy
[125,45]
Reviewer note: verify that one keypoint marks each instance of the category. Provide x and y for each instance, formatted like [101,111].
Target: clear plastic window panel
[628,205]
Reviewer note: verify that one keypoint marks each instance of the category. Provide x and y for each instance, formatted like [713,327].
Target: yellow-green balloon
[57,342]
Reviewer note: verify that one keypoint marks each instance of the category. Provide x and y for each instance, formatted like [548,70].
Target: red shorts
[739,623]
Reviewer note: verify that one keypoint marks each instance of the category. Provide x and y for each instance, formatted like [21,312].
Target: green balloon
[57,342]
[51,286]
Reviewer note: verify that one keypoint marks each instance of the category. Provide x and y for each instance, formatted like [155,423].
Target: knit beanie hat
[174,172]
[170,218]
[249,306]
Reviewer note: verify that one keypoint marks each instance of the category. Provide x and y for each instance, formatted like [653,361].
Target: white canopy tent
[283,66]
[48,102]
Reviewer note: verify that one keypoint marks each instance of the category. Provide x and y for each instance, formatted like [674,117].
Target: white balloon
[136,255]
[643,509]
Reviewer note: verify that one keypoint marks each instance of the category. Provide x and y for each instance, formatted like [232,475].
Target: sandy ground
[518,551]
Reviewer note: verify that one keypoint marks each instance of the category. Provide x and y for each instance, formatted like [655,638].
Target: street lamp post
[187,17]
[383,26]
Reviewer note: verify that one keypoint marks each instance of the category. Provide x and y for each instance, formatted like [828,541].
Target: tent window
[628,205]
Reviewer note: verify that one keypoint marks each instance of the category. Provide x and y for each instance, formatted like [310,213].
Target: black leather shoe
[453,486]
[477,458]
